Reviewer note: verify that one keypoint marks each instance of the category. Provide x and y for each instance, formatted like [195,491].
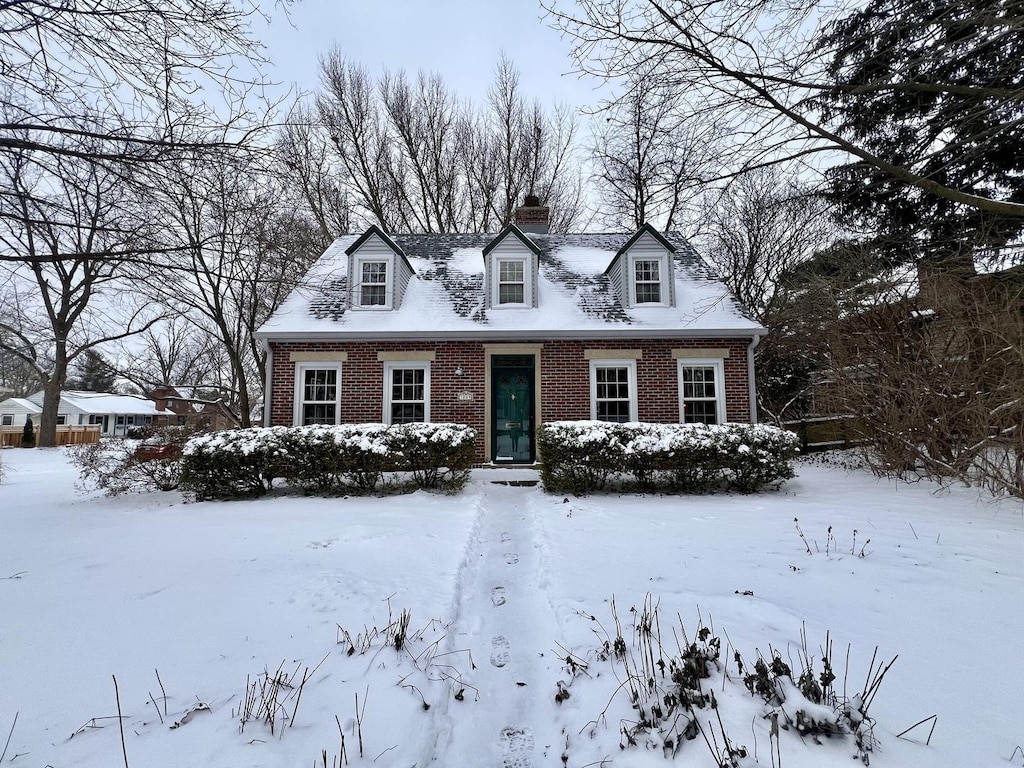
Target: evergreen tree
[94,374]
[936,87]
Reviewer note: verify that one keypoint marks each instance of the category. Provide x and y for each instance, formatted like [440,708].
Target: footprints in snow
[510,557]
[499,651]
[499,645]
[516,746]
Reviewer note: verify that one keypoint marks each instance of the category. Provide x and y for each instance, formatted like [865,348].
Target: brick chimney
[531,216]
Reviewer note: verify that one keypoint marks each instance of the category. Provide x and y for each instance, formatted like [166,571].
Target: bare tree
[936,378]
[419,160]
[313,178]
[17,377]
[172,352]
[766,68]
[122,81]
[236,253]
[73,224]
[760,233]
[649,154]
[761,227]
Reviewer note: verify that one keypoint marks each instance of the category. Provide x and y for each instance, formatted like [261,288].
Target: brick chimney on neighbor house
[531,216]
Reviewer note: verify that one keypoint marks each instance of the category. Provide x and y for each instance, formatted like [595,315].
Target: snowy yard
[501,583]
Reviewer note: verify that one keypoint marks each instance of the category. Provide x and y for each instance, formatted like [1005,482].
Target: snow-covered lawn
[501,583]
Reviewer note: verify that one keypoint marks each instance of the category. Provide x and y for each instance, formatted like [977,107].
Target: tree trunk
[47,433]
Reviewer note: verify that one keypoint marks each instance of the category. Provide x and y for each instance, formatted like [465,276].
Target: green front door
[512,409]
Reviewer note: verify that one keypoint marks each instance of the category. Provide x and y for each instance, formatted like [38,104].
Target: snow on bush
[326,460]
[585,456]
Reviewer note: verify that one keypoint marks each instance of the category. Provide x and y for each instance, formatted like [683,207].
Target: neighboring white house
[15,410]
[115,414]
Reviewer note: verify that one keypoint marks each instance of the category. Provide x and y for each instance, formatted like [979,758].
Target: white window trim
[7,420]
[630,366]
[663,273]
[300,370]
[389,280]
[703,362]
[527,263]
[392,365]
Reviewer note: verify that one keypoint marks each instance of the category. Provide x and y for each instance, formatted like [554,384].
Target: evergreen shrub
[586,456]
[328,460]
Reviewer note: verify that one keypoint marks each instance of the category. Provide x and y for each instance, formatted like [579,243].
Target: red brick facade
[563,376]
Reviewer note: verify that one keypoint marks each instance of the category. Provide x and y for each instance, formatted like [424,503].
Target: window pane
[318,413]
[407,413]
[511,271]
[321,384]
[373,295]
[613,410]
[648,293]
[375,271]
[647,271]
[511,294]
[700,411]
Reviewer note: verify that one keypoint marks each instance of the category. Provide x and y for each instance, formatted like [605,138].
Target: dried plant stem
[928,741]
[163,693]
[9,734]
[156,708]
[120,721]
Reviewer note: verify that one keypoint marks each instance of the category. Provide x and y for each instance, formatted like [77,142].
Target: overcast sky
[460,39]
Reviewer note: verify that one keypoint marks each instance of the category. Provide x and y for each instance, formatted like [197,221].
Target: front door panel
[512,409]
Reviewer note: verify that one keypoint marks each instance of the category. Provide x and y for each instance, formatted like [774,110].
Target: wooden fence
[67,434]
[823,433]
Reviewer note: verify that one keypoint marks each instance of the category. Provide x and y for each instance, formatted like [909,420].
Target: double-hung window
[511,281]
[318,394]
[701,392]
[406,392]
[373,283]
[647,281]
[613,390]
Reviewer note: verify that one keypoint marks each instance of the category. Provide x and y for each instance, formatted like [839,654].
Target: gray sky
[460,39]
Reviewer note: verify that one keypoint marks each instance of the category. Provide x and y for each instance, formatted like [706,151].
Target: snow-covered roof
[446,295]
[100,403]
[19,405]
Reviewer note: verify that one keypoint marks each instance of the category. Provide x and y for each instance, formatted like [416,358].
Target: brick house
[506,331]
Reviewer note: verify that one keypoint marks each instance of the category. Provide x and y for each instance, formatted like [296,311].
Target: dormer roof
[375,231]
[511,229]
[645,229]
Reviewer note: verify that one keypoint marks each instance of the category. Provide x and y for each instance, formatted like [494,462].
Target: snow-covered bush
[585,456]
[329,460]
[119,466]
[233,464]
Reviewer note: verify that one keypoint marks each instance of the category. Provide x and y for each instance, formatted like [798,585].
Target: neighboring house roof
[446,295]
[20,404]
[102,403]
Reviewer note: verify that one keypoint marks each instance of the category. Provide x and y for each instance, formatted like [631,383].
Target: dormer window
[641,271]
[510,270]
[373,283]
[512,281]
[378,272]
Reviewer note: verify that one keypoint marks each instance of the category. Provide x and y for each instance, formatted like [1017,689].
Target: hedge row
[586,456]
[328,460]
